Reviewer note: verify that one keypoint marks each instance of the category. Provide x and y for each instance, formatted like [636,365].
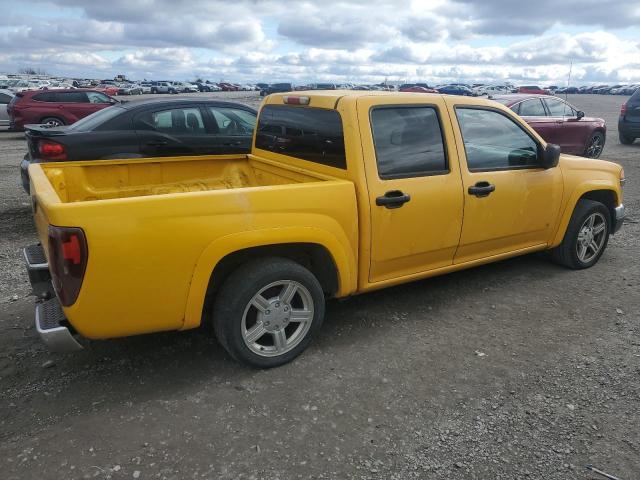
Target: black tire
[625,139]
[595,146]
[54,121]
[233,303]
[566,253]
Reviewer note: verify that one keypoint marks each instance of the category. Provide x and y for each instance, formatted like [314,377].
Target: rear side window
[312,134]
[45,97]
[532,108]
[408,142]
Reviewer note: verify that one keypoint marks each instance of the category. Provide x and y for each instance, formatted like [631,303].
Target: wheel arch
[317,250]
[599,193]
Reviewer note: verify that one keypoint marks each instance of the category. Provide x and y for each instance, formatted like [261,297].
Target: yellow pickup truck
[343,192]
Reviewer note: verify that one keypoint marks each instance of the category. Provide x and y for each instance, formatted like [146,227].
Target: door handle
[393,199]
[157,143]
[482,189]
[232,143]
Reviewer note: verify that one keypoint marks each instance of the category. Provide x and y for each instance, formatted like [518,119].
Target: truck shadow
[176,365]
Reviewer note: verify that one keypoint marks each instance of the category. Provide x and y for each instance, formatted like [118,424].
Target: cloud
[318,40]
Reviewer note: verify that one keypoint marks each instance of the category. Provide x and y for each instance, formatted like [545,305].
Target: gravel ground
[519,369]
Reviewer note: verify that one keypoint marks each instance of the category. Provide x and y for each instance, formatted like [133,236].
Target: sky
[434,41]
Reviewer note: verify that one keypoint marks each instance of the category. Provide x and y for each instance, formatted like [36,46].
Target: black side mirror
[579,114]
[550,156]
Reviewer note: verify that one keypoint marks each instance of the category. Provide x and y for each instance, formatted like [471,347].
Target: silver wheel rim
[595,148]
[277,318]
[53,122]
[591,237]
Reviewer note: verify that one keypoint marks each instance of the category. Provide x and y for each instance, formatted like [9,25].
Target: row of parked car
[78,124]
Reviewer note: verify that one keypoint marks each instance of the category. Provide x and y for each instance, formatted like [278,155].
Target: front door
[511,202]
[415,194]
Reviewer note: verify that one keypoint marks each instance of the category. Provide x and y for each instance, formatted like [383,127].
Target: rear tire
[586,237]
[268,311]
[53,121]
[625,139]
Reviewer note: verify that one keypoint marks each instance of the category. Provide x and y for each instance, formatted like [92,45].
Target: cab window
[493,141]
[408,142]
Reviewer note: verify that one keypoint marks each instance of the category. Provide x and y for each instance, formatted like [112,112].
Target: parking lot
[520,369]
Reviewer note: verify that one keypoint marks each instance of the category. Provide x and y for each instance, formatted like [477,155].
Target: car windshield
[96,119]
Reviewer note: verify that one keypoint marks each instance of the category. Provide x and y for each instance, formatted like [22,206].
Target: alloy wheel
[277,318]
[591,237]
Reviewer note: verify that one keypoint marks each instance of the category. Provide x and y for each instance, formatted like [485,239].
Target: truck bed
[102,180]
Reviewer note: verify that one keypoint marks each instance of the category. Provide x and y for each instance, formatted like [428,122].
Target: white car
[491,90]
[146,87]
[5,98]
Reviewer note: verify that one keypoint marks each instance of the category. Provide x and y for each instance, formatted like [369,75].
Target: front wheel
[267,312]
[586,237]
[595,145]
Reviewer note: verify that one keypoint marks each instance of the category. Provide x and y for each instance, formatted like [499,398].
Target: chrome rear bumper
[51,322]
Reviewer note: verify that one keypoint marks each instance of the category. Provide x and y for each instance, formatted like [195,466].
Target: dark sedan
[151,128]
[455,90]
[559,122]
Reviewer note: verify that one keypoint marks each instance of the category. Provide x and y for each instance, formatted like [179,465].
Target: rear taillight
[623,109]
[67,261]
[52,151]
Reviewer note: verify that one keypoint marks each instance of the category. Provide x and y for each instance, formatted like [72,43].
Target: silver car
[5,98]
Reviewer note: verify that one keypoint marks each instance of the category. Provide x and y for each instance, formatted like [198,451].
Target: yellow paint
[156,228]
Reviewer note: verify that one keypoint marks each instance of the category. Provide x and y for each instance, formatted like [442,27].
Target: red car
[559,122]
[533,89]
[418,89]
[108,89]
[54,107]
[229,87]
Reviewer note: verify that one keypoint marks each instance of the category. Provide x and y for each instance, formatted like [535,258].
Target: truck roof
[330,98]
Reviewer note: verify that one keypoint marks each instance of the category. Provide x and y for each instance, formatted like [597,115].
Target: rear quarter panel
[150,258]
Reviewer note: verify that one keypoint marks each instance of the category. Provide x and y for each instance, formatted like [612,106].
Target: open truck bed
[174,219]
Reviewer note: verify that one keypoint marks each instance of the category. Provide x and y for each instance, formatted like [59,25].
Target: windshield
[96,119]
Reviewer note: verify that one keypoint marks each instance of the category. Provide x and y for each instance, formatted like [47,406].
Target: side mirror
[579,114]
[550,156]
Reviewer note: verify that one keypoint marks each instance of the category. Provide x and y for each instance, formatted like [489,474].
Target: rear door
[176,131]
[508,196]
[413,181]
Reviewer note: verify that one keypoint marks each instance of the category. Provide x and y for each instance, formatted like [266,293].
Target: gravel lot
[520,369]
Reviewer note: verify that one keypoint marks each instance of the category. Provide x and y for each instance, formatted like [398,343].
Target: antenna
[566,91]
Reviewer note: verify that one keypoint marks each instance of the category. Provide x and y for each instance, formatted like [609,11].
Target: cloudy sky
[324,40]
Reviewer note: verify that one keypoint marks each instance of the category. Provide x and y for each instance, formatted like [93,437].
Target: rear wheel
[52,121]
[595,145]
[267,312]
[586,237]
[625,139]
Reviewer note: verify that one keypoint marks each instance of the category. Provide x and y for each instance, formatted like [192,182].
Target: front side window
[532,108]
[492,141]
[233,121]
[175,121]
[73,97]
[408,142]
[557,108]
[312,134]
